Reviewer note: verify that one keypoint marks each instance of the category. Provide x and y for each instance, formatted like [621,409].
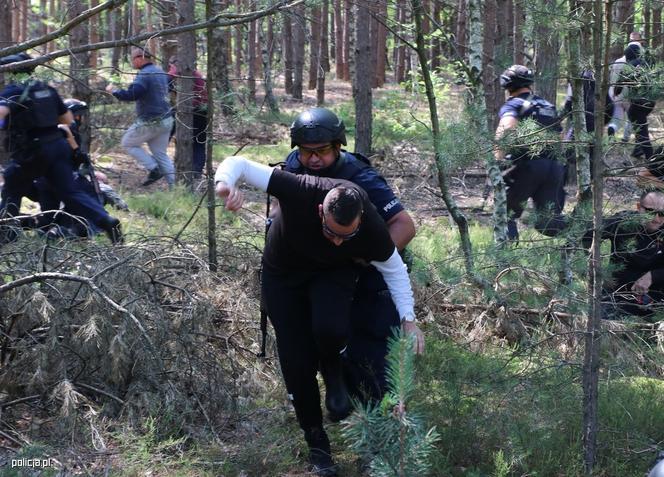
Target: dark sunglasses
[659,213]
[344,237]
[306,153]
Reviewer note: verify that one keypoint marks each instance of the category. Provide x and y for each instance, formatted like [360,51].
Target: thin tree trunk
[362,76]
[169,45]
[272,102]
[299,30]
[591,361]
[210,11]
[339,40]
[95,24]
[488,54]
[79,65]
[546,58]
[239,57]
[185,95]
[23,5]
[519,20]
[325,35]
[287,37]
[314,47]
[657,28]
[436,45]
[372,5]
[322,60]
[348,35]
[218,68]
[50,46]
[461,34]
[646,20]
[5,39]
[251,60]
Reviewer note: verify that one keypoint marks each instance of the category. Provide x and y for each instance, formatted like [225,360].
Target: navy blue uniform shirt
[350,168]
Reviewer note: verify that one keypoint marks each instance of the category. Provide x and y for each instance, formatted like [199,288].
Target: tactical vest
[542,112]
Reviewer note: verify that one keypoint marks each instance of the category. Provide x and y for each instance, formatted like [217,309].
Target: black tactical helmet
[76,106]
[317,125]
[516,76]
[5,60]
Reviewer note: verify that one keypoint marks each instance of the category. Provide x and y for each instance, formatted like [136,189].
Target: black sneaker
[321,463]
[113,230]
[320,458]
[154,175]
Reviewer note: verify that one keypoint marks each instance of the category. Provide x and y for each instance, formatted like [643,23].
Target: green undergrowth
[529,408]
[500,412]
[535,261]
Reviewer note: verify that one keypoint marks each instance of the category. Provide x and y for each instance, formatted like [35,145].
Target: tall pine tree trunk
[218,70]
[314,47]
[211,11]
[79,65]
[287,41]
[185,97]
[362,79]
[547,55]
[338,40]
[299,30]
[266,56]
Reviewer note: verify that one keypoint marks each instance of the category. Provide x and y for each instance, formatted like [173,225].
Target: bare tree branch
[62,31]
[221,20]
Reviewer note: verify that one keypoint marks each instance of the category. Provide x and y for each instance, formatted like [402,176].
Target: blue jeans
[156,135]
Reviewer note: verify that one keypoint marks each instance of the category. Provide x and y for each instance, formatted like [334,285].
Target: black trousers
[638,115]
[310,313]
[543,181]
[373,320]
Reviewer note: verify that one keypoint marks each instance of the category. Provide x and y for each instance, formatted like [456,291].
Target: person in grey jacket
[154,117]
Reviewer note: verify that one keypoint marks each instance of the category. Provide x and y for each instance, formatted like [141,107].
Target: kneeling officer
[31,111]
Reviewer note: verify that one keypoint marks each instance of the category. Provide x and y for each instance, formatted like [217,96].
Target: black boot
[111,226]
[320,457]
[154,175]
[337,399]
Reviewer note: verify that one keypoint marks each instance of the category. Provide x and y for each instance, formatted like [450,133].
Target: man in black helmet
[538,176]
[318,135]
[308,281]
[31,111]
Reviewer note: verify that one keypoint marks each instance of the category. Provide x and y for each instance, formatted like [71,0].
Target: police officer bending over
[537,176]
[308,283]
[31,111]
[319,134]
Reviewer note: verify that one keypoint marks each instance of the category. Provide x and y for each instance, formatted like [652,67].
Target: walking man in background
[154,117]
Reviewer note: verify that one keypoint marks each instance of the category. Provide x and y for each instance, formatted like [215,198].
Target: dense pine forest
[142,354]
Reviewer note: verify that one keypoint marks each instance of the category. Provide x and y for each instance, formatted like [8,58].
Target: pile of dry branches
[88,332]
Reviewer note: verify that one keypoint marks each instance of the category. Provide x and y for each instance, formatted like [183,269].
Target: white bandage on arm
[395,275]
[234,168]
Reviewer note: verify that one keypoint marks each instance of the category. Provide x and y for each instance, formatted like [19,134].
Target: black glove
[80,157]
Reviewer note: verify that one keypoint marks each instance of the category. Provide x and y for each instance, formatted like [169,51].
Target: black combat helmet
[76,106]
[5,60]
[317,125]
[516,76]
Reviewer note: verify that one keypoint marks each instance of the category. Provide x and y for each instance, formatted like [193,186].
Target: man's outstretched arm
[396,277]
[234,169]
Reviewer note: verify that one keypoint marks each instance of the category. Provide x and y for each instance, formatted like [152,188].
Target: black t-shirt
[296,242]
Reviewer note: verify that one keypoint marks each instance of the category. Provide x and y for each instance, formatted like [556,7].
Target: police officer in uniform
[319,135]
[537,176]
[31,111]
